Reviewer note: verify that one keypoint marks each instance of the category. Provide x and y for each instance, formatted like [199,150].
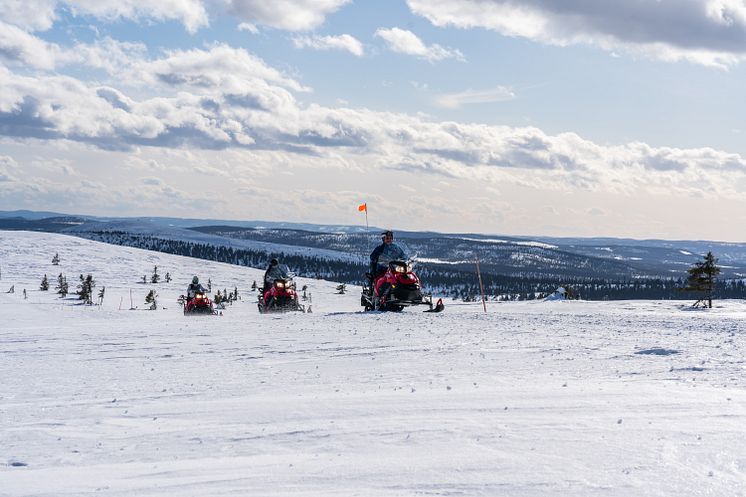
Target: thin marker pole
[481,287]
[367,228]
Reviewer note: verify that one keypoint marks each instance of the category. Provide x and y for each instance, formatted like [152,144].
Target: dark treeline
[465,286]
[458,283]
[302,265]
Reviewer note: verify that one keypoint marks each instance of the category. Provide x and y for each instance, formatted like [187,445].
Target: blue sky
[529,117]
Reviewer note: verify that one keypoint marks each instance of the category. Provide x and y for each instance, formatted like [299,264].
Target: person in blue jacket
[386,252]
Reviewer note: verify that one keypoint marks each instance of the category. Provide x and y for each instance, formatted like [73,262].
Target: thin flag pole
[364,207]
[481,287]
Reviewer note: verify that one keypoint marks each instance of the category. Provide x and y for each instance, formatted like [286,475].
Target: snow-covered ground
[634,398]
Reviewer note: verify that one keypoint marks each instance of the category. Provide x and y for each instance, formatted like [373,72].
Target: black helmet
[387,233]
[195,281]
[274,262]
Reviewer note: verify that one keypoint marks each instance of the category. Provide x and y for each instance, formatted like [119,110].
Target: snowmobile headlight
[401,269]
[279,284]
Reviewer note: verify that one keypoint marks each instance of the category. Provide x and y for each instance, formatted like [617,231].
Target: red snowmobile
[280,297]
[396,288]
[200,304]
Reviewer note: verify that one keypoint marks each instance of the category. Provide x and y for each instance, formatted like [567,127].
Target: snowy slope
[531,399]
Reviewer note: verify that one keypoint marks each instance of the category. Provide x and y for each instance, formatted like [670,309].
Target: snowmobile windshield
[279,272]
[286,272]
[392,252]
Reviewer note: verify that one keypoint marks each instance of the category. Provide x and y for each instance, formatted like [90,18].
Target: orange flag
[362,207]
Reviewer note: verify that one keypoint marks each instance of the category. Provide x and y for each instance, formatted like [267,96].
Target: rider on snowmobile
[275,271]
[195,288]
[386,252]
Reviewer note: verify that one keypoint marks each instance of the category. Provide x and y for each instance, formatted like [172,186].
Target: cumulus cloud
[192,13]
[18,46]
[107,54]
[226,98]
[406,42]
[41,14]
[32,15]
[709,32]
[211,98]
[291,15]
[459,99]
[224,67]
[341,42]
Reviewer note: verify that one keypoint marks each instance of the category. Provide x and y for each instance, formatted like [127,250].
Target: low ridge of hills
[604,267]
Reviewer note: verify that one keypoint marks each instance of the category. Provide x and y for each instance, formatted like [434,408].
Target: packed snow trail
[530,399]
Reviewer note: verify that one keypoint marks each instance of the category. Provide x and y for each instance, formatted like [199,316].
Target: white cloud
[191,13]
[457,100]
[107,54]
[226,98]
[406,42]
[341,42]
[18,46]
[247,26]
[7,164]
[41,14]
[291,15]
[29,14]
[709,32]
[221,66]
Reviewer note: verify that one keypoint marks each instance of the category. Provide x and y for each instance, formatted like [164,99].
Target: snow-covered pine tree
[218,298]
[168,277]
[144,279]
[156,277]
[151,298]
[44,284]
[235,293]
[85,289]
[101,295]
[701,279]
[56,259]
[209,285]
[253,286]
[61,286]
